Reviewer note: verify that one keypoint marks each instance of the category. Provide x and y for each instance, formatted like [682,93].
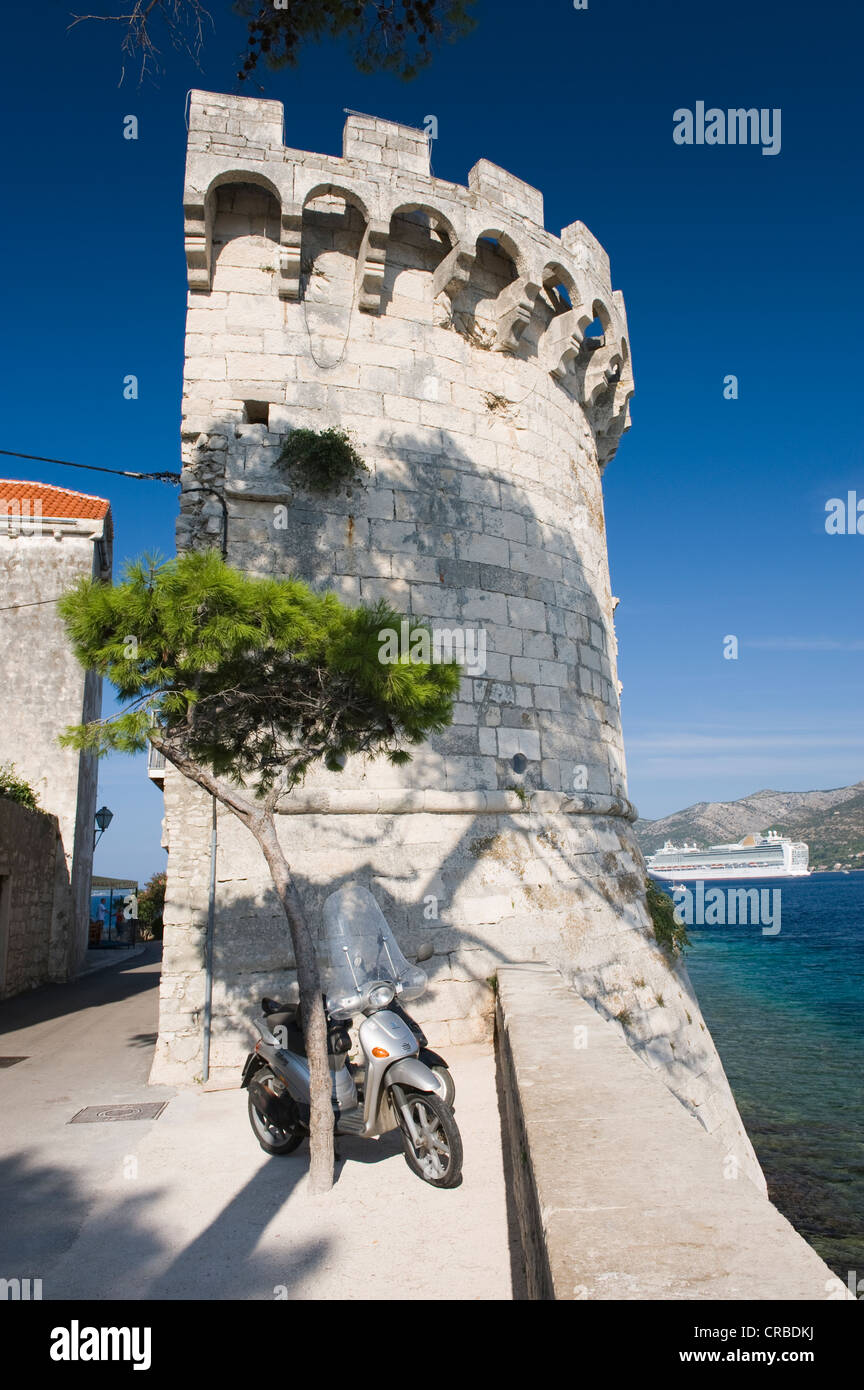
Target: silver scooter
[399,1082]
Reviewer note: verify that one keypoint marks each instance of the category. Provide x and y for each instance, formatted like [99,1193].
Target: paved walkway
[188,1206]
[101,959]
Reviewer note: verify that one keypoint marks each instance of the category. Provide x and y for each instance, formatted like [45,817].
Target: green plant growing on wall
[668,933]
[322,460]
[14,788]
[243,684]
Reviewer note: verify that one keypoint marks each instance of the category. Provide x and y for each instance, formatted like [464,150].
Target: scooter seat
[272,1006]
[281,1019]
[290,1033]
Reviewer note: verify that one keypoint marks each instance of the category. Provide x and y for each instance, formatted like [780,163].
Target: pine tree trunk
[261,822]
[321,1148]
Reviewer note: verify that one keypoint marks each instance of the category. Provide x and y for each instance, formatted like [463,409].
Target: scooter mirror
[426,951]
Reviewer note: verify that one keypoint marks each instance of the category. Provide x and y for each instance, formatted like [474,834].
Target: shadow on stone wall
[512,541]
[37,910]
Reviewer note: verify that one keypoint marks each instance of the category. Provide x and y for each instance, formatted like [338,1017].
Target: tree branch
[244,809]
[184,20]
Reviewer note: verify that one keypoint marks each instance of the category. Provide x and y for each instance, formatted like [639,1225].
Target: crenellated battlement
[557,307]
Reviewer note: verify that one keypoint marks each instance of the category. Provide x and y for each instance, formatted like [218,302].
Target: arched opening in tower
[245,225]
[494,268]
[419,241]
[331,238]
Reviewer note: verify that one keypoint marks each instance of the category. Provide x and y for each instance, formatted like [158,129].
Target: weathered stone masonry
[43,689]
[35,897]
[483,368]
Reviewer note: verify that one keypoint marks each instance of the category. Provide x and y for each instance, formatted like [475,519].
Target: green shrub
[14,788]
[151,907]
[668,933]
[323,460]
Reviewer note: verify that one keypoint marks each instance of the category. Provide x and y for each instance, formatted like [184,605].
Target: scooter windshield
[358,951]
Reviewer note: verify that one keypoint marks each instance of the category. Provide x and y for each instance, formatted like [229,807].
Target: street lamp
[104,818]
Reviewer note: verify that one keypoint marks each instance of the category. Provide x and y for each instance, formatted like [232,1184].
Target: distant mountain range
[831,823]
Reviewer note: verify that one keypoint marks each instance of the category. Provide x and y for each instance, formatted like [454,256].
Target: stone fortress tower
[482,366]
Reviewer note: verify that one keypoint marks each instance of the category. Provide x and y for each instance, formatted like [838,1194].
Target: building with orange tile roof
[49,538]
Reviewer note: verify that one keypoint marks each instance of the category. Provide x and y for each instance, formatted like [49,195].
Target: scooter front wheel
[449,1085]
[430,1137]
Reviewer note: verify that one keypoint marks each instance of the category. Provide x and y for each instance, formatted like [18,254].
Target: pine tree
[396,36]
[244,684]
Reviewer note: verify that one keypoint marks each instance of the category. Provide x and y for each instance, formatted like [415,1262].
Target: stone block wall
[44,690]
[34,894]
[482,367]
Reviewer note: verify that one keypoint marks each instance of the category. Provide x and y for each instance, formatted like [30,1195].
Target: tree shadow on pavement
[222,1262]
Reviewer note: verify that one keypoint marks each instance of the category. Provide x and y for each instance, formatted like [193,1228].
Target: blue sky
[731,262]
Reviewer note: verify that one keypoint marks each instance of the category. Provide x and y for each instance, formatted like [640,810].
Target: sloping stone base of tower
[485,889]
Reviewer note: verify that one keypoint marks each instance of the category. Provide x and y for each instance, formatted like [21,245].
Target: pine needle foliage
[242,681]
[397,36]
[255,679]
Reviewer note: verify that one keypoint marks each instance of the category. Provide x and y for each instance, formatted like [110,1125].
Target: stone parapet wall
[619,1193]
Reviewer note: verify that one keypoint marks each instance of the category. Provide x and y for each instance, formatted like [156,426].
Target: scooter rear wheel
[276,1136]
[436,1154]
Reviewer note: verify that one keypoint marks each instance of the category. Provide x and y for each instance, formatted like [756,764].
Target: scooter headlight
[381,995]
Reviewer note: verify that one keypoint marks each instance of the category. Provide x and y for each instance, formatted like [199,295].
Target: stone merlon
[384,171]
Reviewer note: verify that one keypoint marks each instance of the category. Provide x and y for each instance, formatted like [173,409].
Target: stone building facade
[35,896]
[49,538]
[482,366]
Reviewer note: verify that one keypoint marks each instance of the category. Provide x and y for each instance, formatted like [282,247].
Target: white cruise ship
[756,856]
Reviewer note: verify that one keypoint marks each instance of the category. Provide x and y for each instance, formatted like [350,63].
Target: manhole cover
[101,1114]
[10,1061]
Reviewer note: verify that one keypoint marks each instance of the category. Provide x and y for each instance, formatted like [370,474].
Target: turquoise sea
[786,1015]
